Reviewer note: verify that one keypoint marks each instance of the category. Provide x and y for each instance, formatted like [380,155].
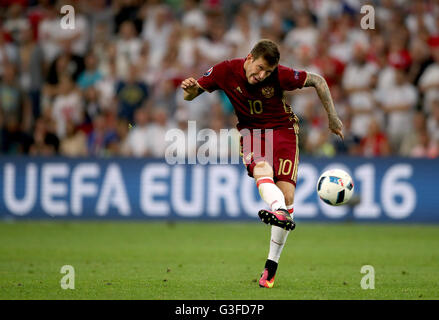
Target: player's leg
[263,173]
[279,235]
[288,190]
[278,238]
[285,171]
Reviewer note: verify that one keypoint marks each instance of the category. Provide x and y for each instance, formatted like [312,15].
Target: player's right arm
[211,80]
[191,89]
[319,83]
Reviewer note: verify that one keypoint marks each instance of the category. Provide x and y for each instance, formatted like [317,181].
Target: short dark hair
[268,50]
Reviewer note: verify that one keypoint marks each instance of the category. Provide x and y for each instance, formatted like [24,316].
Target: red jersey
[257,106]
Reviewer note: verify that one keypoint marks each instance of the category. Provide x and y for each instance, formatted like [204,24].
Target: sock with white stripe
[270,193]
[278,238]
[277,243]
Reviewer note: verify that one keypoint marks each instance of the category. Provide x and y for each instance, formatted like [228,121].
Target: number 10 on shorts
[285,167]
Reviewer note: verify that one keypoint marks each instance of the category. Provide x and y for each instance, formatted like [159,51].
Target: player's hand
[189,85]
[336,126]
[191,89]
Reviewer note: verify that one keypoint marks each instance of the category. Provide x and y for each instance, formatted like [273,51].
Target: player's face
[257,70]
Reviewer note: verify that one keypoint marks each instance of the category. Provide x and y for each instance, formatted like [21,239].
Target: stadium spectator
[131,94]
[315,124]
[31,67]
[158,128]
[75,142]
[44,141]
[421,59]
[121,146]
[65,63]
[398,103]
[384,11]
[105,50]
[67,105]
[429,81]
[106,88]
[321,146]
[199,109]
[306,99]
[213,47]
[426,146]
[350,145]
[157,28]
[192,15]
[398,55]
[128,46]
[101,136]
[92,106]
[412,138]
[91,75]
[217,145]
[13,139]
[241,36]
[341,44]
[330,67]
[188,53]
[146,71]
[8,51]
[420,19]
[54,37]
[433,121]
[168,78]
[16,21]
[304,34]
[375,143]
[127,10]
[100,18]
[358,80]
[139,137]
[13,103]
[190,149]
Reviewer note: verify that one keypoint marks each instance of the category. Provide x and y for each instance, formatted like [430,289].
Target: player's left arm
[319,83]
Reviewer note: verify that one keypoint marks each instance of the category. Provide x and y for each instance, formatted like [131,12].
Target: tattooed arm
[319,83]
[191,89]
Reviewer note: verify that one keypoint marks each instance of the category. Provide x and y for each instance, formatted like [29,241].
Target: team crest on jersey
[296,75]
[268,92]
[208,72]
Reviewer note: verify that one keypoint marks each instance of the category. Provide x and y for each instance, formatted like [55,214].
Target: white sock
[277,242]
[278,238]
[270,193]
[290,209]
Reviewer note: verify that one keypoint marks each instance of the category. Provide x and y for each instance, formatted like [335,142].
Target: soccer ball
[335,187]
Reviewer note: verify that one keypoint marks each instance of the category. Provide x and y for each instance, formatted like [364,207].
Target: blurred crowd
[111,85]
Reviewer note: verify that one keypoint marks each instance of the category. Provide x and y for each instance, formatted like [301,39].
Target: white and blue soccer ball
[335,187]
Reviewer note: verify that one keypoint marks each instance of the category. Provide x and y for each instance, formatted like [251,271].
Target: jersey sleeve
[291,79]
[214,78]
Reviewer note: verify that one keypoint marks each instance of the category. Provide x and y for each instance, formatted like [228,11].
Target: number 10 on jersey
[255,106]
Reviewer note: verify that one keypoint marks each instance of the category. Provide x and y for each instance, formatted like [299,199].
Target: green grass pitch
[156,260]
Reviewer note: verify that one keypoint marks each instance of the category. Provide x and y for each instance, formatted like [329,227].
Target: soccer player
[255,86]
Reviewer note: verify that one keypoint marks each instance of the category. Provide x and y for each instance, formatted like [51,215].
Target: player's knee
[263,169]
